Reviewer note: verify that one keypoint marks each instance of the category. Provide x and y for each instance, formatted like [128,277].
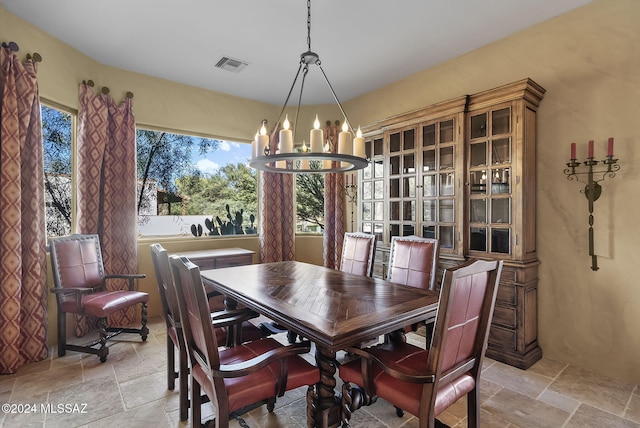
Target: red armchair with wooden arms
[227,336]
[425,382]
[235,379]
[80,288]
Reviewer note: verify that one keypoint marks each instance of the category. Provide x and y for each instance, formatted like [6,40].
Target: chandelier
[316,157]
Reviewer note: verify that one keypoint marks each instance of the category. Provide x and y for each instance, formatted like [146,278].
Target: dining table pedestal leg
[327,407]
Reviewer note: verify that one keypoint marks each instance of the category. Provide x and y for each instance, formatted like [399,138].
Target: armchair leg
[311,405]
[196,413]
[271,404]
[473,408]
[184,384]
[353,398]
[103,351]
[62,333]
[171,365]
[144,331]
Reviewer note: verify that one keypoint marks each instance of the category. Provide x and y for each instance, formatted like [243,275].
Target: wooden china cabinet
[464,171]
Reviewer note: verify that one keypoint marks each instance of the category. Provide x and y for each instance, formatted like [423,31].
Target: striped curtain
[333,215]
[23,269]
[107,185]
[277,215]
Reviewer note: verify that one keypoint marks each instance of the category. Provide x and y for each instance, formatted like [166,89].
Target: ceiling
[362,44]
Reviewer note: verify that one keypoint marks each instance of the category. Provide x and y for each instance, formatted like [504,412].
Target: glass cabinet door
[411,186]
[489,178]
[372,189]
[402,182]
[438,182]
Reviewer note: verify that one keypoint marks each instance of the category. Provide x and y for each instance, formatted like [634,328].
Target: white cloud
[207,166]
[224,146]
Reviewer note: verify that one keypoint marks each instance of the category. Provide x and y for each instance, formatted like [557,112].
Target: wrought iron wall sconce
[592,189]
[350,190]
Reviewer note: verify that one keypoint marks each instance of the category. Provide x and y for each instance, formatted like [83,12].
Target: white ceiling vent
[231,64]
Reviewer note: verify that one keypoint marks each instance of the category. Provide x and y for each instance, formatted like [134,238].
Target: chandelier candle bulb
[316,137]
[590,149]
[358,145]
[573,151]
[610,147]
[286,137]
[263,141]
[304,163]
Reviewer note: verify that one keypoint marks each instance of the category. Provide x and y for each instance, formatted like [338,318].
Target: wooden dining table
[333,309]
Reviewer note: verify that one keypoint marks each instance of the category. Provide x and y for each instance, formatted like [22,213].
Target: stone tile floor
[130,390]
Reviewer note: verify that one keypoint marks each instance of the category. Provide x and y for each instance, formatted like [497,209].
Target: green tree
[56,140]
[165,157]
[233,185]
[310,198]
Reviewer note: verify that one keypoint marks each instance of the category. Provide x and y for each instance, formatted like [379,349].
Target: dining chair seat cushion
[405,394]
[261,385]
[104,303]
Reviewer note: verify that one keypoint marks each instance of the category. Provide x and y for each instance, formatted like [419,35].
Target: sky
[227,152]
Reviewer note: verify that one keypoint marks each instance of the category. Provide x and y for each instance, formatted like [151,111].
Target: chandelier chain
[309,24]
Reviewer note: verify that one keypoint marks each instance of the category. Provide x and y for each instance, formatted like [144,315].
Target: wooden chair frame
[73,288]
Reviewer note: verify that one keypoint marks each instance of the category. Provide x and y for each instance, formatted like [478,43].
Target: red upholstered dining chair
[358,252]
[235,379]
[426,382]
[80,287]
[175,337]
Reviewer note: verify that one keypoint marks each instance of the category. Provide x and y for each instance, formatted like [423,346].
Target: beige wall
[589,63]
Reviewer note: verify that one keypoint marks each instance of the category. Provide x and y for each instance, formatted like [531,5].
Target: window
[310,203]
[57,126]
[194,185]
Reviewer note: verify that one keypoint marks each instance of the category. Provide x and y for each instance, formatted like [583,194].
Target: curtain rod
[105,89]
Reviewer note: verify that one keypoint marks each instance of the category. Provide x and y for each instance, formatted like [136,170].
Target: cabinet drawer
[506,294]
[502,337]
[504,316]
[223,262]
[508,275]
[204,263]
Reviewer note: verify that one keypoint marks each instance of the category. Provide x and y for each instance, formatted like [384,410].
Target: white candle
[316,137]
[263,141]
[344,141]
[358,145]
[286,137]
[254,147]
[345,146]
